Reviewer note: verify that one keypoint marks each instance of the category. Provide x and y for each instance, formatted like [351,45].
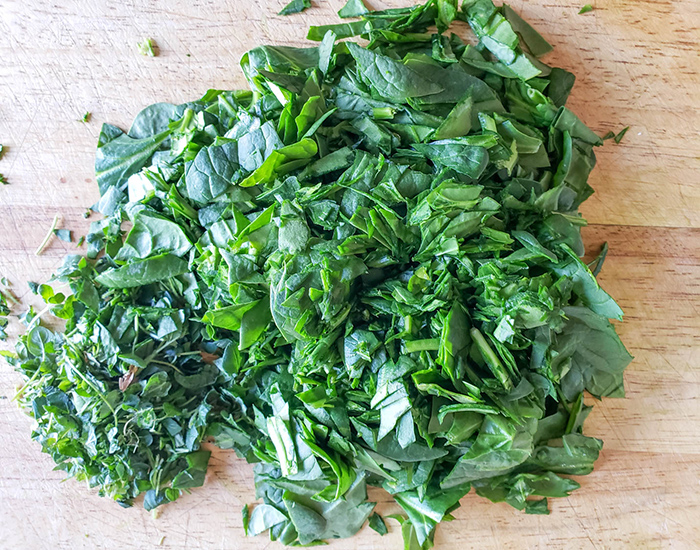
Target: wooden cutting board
[638,65]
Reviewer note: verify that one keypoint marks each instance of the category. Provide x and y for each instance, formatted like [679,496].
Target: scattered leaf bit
[66,235]
[147,47]
[621,134]
[295,6]
[377,524]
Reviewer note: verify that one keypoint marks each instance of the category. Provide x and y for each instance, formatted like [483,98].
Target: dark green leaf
[295,6]
[377,524]
[143,272]
[618,137]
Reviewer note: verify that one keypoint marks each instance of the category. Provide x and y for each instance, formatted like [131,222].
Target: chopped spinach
[365,271]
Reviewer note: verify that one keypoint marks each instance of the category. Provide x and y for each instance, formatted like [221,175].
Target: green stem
[9,296]
[165,363]
[574,412]
[48,236]
[95,389]
[491,359]
[37,317]
[27,383]
[186,119]
[231,111]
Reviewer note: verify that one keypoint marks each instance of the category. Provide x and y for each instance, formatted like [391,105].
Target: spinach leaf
[212,172]
[153,120]
[143,272]
[537,45]
[466,156]
[389,78]
[153,233]
[119,156]
[593,353]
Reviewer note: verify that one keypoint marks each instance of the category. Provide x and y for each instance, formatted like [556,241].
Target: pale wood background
[637,63]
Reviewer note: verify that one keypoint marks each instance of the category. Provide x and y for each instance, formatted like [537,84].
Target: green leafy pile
[363,271]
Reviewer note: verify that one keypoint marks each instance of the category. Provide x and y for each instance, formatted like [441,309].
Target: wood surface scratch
[637,64]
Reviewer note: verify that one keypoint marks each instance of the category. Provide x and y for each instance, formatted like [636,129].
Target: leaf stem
[48,236]
[24,387]
[491,359]
[37,317]
[7,294]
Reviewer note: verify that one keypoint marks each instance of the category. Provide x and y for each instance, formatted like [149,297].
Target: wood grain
[637,64]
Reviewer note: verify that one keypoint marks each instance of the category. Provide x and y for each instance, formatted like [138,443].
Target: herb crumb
[148,47]
[621,134]
[585,9]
